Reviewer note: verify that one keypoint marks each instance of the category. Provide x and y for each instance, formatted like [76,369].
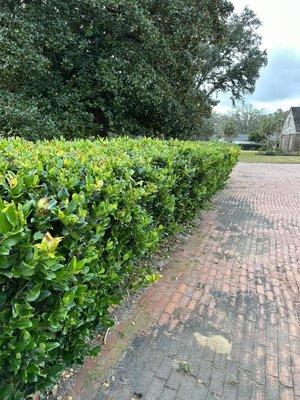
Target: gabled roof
[296,116]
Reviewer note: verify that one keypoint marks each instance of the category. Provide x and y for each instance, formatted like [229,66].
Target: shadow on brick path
[222,322]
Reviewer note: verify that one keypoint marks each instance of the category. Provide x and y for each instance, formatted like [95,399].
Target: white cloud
[268,107]
[280,21]
[285,104]
[279,83]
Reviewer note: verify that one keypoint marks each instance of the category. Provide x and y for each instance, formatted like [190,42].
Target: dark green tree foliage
[230,130]
[246,118]
[145,67]
[270,126]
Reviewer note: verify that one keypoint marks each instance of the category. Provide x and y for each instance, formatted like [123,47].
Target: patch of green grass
[251,156]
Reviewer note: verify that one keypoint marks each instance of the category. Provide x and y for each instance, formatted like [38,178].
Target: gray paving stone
[240,267]
[168,394]
[155,390]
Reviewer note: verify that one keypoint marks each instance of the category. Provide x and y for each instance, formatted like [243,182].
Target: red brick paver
[236,278]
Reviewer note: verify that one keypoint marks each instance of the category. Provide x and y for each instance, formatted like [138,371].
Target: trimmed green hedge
[74,218]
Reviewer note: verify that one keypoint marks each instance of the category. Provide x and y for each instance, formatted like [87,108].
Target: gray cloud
[278,85]
[280,80]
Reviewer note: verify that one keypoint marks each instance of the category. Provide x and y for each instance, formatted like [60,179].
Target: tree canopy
[270,126]
[259,125]
[128,66]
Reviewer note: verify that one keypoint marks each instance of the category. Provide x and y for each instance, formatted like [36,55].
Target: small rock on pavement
[54,390]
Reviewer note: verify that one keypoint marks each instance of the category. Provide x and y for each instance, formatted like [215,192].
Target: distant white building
[290,134]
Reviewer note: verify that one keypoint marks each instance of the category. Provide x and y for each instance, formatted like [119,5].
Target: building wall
[297,142]
[285,141]
[290,140]
[289,125]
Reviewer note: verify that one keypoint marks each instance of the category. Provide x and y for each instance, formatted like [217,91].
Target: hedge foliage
[74,219]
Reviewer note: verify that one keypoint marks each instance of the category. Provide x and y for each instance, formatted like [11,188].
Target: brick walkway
[222,322]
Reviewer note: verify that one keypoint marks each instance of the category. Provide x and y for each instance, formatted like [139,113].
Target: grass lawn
[250,156]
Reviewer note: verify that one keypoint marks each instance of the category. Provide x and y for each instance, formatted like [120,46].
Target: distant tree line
[145,67]
[246,119]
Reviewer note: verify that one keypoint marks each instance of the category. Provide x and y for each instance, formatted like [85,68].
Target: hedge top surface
[84,165]
[22,152]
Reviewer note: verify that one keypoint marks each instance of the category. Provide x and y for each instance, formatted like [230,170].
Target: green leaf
[2,299]
[68,297]
[26,269]
[95,351]
[43,295]
[4,251]
[11,215]
[5,225]
[27,207]
[38,236]
[13,238]
[22,310]
[23,324]
[7,392]
[77,265]
[4,262]
[51,346]
[34,293]
[15,362]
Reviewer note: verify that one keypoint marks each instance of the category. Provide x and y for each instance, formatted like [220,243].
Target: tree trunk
[102,120]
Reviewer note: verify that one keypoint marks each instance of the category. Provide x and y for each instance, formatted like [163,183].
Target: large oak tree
[129,66]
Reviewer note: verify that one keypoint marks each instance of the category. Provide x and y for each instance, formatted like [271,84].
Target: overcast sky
[279,82]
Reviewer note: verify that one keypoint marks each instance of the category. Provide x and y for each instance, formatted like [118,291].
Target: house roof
[296,116]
